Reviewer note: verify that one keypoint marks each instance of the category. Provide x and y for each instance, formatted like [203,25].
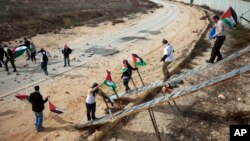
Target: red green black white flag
[55,109]
[230,17]
[23,97]
[124,67]
[138,61]
[109,82]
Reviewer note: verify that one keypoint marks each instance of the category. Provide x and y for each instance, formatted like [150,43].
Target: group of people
[167,59]
[8,55]
[90,102]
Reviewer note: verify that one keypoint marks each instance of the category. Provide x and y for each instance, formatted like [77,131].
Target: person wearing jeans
[127,75]
[39,121]
[37,103]
[125,80]
[90,101]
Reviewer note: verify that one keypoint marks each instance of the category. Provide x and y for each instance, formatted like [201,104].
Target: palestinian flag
[19,51]
[229,17]
[109,82]
[138,61]
[54,109]
[23,97]
[124,67]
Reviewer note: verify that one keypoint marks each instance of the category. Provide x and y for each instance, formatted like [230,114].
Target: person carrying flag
[167,58]
[127,74]
[91,102]
[37,103]
[27,44]
[220,38]
[9,58]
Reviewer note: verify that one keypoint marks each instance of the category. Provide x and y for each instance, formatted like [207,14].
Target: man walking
[1,56]
[37,102]
[90,101]
[167,58]
[33,52]
[66,51]
[220,38]
[44,60]
[9,58]
[27,44]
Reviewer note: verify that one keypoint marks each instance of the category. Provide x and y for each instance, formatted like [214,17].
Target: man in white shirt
[167,58]
[220,38]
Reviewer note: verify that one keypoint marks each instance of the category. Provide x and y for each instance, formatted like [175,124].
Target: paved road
[88,51]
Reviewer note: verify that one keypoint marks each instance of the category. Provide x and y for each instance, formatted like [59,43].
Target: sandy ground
[68,91]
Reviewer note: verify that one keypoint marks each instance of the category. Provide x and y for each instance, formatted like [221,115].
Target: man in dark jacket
[126,75]
[1,56]
[27,44]
[9,58]
[66,51]
[37,102]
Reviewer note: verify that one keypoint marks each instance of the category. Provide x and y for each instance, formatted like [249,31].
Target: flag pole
[116,93]
[143,84]
[133,82]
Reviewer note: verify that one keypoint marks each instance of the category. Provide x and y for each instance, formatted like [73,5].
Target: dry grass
[240,36]
[29,17]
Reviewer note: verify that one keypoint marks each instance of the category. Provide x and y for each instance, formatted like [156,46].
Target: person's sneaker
[219,60]
[68,65]
[64,66]
[39,130]
[96,118]
[14,71]
[208,61]
[8,73]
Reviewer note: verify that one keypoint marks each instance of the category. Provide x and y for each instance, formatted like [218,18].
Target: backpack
[69,50]
[45,57]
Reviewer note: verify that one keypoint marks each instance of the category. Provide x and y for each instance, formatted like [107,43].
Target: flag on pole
[230,17]
[138,61]
[55,109]
[124,67]
[109,82]
[19,51]
[23,97]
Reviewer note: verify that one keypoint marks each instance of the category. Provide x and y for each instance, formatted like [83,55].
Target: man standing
[27,44]
[37,102]
[220,38]
[167,58]
[127,75]
[44,60]
[1,56]
[9,58]
[66,51]
[90,101]
[33,52]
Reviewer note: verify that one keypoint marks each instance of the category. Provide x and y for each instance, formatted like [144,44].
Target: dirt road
[95,46]
[180,24]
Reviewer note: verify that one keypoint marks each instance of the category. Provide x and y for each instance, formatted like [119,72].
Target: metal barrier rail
[177,77]
[170,97]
